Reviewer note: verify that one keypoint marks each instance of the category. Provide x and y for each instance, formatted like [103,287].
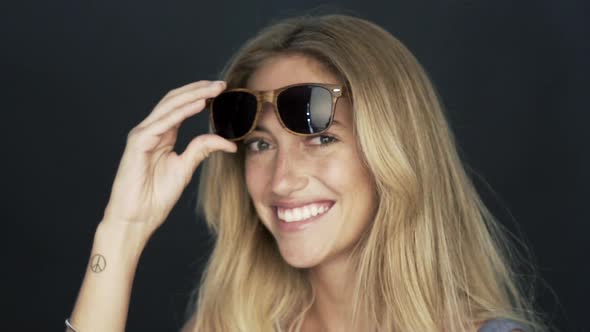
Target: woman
[340,203]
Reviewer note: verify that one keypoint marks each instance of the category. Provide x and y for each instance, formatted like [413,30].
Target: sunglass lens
[233,113]
[305,109]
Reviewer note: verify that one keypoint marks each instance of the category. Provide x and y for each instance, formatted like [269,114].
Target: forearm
[103,300]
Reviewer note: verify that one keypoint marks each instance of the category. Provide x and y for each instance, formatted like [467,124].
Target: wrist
[121,238]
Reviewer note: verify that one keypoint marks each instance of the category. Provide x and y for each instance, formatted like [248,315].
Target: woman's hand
[151,176]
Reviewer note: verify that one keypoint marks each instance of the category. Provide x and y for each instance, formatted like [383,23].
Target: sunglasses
[302,109]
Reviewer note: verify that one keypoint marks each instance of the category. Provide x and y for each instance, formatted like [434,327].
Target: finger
[185,88]
[201,146]
[198,90]
[189,96]
[174,119]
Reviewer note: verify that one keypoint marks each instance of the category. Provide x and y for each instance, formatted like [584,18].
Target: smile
[303,212]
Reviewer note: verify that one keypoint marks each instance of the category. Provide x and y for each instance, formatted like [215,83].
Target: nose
[289,172]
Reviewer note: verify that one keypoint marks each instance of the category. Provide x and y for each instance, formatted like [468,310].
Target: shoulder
[189,325]
[501,325]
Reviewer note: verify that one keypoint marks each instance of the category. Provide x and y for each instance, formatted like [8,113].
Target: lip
[299,225]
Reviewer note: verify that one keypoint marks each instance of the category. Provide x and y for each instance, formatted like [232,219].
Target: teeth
[301,213]
[314,210]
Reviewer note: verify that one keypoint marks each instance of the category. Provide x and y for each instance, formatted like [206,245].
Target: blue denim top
[501,325]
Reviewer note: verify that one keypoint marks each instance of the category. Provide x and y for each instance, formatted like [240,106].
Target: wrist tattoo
[98,263]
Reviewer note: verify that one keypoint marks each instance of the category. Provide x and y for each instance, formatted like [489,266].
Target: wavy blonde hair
[433,259]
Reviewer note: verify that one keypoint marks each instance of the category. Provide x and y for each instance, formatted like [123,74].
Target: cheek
[255,173]
[342,171]
[332,173]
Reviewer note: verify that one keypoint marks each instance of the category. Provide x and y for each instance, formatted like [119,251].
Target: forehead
[283,70]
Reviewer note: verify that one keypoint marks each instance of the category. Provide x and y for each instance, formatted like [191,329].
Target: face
[313,194]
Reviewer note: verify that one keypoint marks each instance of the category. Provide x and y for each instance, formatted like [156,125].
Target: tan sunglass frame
[336,90]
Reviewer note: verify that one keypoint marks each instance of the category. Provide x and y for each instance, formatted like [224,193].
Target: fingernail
[219,82]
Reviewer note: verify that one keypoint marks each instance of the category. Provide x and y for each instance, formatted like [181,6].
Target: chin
[300,260]
[301,264]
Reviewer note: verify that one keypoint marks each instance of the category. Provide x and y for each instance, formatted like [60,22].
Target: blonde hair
[433,259]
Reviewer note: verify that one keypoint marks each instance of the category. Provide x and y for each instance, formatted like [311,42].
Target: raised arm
[150,179]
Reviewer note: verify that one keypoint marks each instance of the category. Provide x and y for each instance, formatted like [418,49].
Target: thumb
[201,146]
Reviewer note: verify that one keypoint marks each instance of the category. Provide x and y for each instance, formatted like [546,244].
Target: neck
[333,284]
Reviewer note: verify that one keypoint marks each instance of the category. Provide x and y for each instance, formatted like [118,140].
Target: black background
[78,75]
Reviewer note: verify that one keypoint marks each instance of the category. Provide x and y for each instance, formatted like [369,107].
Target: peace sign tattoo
[98,263]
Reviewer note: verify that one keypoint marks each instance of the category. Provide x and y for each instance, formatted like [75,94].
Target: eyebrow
[264,129]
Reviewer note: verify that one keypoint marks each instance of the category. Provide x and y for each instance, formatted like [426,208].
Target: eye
[256,145]
[322,140]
